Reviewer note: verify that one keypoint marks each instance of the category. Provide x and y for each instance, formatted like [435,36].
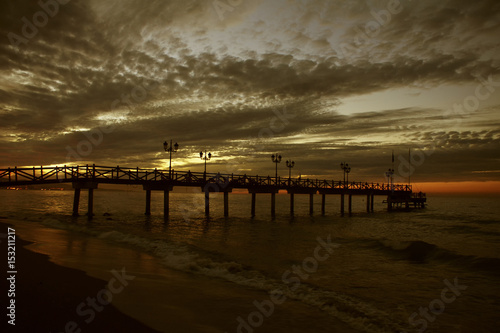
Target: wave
[487,221]
[357,313]
[421,252]
[415,251]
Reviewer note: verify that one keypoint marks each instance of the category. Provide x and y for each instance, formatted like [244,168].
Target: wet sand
[165,300]
[47,296]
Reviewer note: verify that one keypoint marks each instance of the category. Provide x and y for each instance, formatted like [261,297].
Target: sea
[426,270]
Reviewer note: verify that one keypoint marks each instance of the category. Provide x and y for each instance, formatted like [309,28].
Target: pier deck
[90,176]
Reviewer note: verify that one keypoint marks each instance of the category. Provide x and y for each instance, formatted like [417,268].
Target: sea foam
[357,313]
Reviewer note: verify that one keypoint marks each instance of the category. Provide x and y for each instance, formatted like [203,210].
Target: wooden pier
[88,177]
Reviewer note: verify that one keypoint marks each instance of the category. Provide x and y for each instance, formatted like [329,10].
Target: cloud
[172,69]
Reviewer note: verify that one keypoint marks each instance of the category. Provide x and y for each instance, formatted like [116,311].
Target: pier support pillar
[371,203]
[350,204]
[367,203]
[166,188]
[323,200]
[311,203]
[273,204]
[389,203]
[291,203]
[90,206]
[148,202]
[78,186]
[342,204]
[166,204]
[76,201]
[253,203]
[226,204]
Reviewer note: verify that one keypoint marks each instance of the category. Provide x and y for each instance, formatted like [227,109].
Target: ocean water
[433,270]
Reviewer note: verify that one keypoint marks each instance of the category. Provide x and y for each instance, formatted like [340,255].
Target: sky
[318,82]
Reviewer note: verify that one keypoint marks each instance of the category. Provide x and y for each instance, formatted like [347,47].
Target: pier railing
[125,175]
[89,176]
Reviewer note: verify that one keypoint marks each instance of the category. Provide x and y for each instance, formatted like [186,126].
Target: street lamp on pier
[290,165]
[170,149]
[389,174]
[206,158]
[276,159]
[345,166]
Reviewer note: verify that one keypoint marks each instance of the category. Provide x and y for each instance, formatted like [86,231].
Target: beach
[47,295]
[376,272]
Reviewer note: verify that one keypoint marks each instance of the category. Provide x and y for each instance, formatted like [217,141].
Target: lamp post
[345,166]
[289,165]
[276,159]
[206,158]
[389,175]
[170,149]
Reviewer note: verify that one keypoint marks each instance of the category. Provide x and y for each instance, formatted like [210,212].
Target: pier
[88,177]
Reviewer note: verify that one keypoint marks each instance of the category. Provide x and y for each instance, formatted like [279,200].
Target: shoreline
[387,267]
[47,296]
[158,299]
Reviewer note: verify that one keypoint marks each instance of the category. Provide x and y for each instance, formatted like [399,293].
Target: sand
[163,299]
[47,296]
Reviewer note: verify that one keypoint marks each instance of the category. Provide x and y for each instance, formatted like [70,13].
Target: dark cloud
[172,69]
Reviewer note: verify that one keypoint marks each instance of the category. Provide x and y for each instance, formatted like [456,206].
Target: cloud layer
[108,82]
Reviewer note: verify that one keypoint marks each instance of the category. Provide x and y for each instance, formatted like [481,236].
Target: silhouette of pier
[88,177]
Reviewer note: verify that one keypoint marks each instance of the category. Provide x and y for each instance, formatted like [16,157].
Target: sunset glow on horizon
[488,187]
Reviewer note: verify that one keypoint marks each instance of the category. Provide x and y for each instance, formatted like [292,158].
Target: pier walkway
[89,176]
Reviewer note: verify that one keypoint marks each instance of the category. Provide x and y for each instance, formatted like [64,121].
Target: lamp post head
[206,157]
[272,157]
[279,158]
[176,146]
[165,145]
